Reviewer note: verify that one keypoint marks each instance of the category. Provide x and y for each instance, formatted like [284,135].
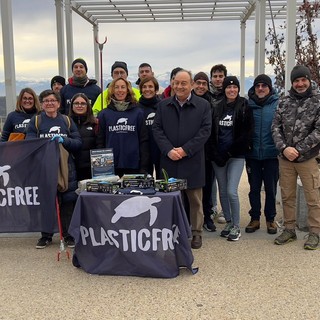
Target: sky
[195,46]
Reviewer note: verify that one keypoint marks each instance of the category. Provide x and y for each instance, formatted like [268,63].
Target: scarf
[299,96]
[79,82]
[150,102]
[120,105]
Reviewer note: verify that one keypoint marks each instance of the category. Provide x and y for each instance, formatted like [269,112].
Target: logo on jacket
[55,129]
[122,126]
[150,119]
[123,121]
[24,124]
[135,206]
[226,121]
[5,175]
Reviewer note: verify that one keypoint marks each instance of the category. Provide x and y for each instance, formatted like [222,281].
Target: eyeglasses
[262,85]
[80,104]
[49,101]
[27,99]
[201,83]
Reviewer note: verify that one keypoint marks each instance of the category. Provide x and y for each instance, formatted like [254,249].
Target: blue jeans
[228,178]
[266,171]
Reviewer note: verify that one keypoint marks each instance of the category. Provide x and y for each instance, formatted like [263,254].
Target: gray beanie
[300,72]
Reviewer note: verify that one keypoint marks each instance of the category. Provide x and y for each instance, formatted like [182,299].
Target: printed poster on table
[102,163]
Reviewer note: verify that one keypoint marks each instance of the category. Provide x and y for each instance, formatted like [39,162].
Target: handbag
[16,136]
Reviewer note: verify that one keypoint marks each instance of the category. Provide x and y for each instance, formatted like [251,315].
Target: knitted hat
[300,72]
[263,78]
[201,76]
[119,64]
[58,79]
[229,81]
[79,60]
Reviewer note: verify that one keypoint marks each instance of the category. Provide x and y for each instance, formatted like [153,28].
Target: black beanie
[201,76]
[79,60]
[119,64]
[229,81]
[58,79]
[263,78]
[300,72]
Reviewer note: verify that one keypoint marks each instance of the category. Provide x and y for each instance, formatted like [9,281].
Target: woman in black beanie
[232,124]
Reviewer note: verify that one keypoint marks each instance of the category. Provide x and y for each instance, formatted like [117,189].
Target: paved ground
[248,279]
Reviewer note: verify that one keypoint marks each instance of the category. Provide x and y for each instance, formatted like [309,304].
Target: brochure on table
[102,164]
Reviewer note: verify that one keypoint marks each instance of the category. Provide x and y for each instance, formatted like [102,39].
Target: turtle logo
[5,175]
[123,121]
[135,206]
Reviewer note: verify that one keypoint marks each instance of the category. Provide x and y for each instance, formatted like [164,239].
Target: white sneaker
[220,218]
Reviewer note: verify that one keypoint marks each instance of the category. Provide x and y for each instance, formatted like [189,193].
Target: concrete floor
[248,279]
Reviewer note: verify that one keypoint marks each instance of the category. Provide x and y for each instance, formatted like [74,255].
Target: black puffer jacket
[88,133]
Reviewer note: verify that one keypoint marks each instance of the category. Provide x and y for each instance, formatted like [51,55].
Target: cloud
[193,45]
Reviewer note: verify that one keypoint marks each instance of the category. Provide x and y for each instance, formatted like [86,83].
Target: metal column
[69,36]
[290,41]
[60,38]
[8,54]
[242,58]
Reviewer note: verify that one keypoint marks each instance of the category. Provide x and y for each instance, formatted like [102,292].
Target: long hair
[130,95]
[36,104]
[90,117]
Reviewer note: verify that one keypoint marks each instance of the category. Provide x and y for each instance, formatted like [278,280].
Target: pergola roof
[129,11]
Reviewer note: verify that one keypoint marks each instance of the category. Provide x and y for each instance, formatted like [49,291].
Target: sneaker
[43,242]
[252,226]
[312,241]
[220,218]
[209,225]
[234,234]
[226,230]
[271,227]
[69,241]
[286,236]
[214,212]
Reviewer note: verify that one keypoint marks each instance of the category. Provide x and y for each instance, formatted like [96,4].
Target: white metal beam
[290,41]
[262,35]
[60,38]
[8,54]
[242,57]
[69,36]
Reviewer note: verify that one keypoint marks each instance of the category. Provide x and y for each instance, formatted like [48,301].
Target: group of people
[198,129]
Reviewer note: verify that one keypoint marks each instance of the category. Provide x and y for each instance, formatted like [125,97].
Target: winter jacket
[48,127]
[242,127]
[297,124]
[88,133]
[149,109]
[263,146]
[126,133]
[16,122]
[187,127]
[91,90]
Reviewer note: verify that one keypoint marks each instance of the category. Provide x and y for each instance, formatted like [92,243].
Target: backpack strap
[37,123]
